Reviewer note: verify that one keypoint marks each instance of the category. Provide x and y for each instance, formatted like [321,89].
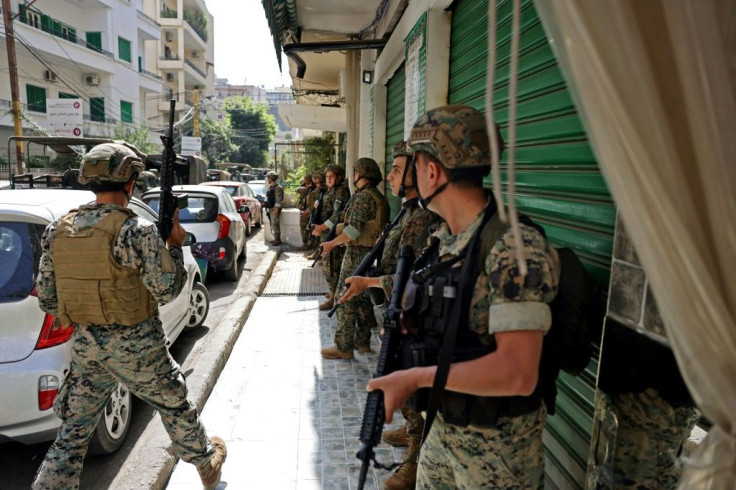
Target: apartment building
[94,50]
[183,56]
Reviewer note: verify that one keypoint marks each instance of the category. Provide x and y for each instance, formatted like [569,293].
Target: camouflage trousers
[649,440]
[509,456]
[275,225]
[136,357]
[355,318]
[331,267]
[303,222]
[414,423]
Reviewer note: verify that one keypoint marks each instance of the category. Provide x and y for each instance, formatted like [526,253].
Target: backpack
[577,316]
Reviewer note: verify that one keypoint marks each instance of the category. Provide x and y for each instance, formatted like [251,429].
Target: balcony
[197,70]
[149,74]
[58,29]
[198,22]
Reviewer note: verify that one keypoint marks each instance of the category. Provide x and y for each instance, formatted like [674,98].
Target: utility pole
[195,118]
[14,92]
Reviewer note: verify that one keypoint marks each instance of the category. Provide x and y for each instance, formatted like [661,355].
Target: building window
[94,40]
[66,95]
[36,98]
[124,50]
[97,109]
[126,111]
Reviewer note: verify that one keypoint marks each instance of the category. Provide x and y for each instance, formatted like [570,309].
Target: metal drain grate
[293,276]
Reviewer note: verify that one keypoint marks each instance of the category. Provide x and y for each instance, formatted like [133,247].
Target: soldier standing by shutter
[364,218]
[490,435]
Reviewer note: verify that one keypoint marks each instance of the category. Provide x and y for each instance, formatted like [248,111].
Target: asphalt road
[18,463]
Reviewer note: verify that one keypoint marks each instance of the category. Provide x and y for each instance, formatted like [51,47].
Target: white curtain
[654,82]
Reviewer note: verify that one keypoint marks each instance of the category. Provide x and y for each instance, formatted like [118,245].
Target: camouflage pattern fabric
[359,310]
[509,456]
[339,201]
[413,230]
[335,199]
[649,440]
[278,192]
[331,267]
[103,355]
[414,423]
[355,318]
[275,225]
[328,203]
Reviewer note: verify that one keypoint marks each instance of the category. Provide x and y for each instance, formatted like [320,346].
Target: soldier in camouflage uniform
[110,294]
[363,220]
[412,229]
[335,200]
[274,203]
[505,310]
[303,193]
[315,197]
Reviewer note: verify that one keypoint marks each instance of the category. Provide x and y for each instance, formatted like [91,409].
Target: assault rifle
[314,218]
[169,202]
[375,410]
[371,256]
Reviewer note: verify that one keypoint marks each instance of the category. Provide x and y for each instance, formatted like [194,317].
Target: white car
[215,220]
[34,357]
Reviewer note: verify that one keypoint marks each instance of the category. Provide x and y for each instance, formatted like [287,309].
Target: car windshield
[230,189]
[20,251]
[257,188]
[200,210]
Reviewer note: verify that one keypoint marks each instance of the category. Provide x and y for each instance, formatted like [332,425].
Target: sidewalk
[290,418]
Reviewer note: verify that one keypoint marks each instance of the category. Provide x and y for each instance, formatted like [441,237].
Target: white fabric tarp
[654,82]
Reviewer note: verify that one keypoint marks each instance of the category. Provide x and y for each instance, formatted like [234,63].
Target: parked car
[259,190]
[34,355]
[243,195]
[215,220]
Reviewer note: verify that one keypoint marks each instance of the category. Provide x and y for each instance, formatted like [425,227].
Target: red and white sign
[64,117]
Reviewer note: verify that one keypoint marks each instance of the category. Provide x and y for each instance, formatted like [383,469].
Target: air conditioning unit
[169,77]
[92,79]
[195,54]
[169,36]
[49,76]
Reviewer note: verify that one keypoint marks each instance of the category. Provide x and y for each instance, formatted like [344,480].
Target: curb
[151,461]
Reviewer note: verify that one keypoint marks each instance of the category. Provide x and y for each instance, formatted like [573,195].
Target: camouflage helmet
[401,149]
[368,168]
[455,135]
[319,175]
[335,169]
[109,162]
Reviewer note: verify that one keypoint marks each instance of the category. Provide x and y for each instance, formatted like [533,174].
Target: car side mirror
[243,209]
[189,240]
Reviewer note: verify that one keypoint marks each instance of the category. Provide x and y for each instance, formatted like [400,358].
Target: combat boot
[276,242]
[364,348]
[397,438]
[405,476]
[335,353]
[211,472]
[314,254]
[328,304]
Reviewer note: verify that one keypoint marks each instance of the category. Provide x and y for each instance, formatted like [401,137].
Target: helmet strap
[424,201]
[403,187]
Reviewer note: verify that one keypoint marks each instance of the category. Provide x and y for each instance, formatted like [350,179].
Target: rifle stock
[375,410]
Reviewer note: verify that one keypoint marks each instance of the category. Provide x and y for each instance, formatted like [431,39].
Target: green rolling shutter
[36,98]
[394,127]
[126,111]
[558,184]
[124,50]
[97,109]
[94,40]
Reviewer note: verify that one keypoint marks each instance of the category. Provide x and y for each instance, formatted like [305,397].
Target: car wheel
[259,223]
[199,306]
[114,424]
[233,273]
[247,228]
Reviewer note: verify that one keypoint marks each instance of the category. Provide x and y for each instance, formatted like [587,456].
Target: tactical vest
[373,227]
[271,197]
[429,299]
[92,288]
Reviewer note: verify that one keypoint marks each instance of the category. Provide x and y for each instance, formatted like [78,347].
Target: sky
[244,51]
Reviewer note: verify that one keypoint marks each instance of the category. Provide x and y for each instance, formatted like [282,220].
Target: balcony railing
[198,30]
[149,74]
[168,13]
[100,119]
[169,57]
[193,67]
[62,31]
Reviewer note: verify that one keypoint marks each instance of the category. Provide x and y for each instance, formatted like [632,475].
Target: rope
[513,215]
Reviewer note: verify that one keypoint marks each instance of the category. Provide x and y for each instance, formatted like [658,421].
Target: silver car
[215,220]
[35,356]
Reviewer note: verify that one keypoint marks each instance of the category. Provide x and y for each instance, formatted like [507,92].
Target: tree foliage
[252,130]
[216,144]
[140,137]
